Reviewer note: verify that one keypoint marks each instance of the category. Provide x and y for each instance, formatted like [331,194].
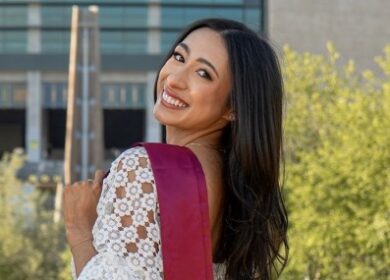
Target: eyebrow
[203,60]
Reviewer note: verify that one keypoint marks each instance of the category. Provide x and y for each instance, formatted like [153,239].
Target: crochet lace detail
[127,230]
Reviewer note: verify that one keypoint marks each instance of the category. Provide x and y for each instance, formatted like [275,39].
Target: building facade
[134,35]
[359,29]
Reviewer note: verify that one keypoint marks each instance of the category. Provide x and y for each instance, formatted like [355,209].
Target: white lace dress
[127,230]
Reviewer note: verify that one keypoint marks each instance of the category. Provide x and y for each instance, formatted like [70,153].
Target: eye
[177,56]
[201,72]
[204,74]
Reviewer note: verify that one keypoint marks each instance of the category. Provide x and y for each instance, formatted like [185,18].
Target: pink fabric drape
[182,196]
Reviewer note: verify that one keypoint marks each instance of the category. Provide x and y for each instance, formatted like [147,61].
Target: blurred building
[359,29]
[134,35]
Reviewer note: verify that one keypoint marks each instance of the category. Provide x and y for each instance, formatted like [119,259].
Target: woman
[219,95]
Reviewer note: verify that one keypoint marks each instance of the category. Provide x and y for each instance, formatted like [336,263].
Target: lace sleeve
[126,232]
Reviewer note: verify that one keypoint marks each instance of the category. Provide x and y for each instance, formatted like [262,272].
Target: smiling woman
[212,194]
[196,82]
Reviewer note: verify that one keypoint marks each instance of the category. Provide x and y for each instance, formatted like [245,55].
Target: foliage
[337,139]
[31,244]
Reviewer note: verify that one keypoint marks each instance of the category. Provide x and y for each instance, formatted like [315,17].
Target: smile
[172,100]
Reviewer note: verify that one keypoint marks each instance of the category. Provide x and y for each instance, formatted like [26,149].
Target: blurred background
[335,57]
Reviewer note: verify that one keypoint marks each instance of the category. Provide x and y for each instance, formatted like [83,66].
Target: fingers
[99,177]
[98,182]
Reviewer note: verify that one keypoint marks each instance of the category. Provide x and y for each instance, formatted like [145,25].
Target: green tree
[31,245]
[337,139]
[14,245]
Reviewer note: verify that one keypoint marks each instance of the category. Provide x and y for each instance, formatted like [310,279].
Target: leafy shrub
[337,135]
[32,246]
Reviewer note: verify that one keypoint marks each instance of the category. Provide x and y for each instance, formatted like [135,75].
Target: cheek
[161,77]
[211,101]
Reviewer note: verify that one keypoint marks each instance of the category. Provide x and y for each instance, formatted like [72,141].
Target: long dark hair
[254,227]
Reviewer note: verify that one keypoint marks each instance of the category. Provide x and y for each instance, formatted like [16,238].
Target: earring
[232,117]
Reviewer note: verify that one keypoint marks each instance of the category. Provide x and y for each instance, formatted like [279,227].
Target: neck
[180,137]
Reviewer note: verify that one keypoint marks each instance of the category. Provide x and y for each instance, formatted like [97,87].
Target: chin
[162,118]
[166,119]
[158,113]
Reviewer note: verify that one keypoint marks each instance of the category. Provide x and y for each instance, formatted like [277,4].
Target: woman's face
[194,84]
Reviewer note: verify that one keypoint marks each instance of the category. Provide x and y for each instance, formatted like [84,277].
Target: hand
[79,207]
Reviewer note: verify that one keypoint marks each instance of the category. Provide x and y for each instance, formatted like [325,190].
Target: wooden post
[84,145]
[58,202]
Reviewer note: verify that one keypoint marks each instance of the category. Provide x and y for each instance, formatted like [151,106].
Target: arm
[82,253]
[126,235]
[79,205]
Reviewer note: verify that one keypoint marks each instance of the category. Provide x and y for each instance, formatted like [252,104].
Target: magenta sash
[184,217]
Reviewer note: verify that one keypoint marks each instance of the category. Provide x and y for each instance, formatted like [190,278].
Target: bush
[337,140]
[32,246]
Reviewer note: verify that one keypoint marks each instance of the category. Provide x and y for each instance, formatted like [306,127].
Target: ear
[229,116]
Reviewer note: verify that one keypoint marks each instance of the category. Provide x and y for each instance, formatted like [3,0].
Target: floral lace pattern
[127,230]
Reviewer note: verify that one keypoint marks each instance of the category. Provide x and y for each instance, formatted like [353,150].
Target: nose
[177,79]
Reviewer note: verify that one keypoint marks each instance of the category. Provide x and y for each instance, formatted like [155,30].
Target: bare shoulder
[212,168]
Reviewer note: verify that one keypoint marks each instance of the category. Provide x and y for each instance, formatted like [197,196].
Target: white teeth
[172,101]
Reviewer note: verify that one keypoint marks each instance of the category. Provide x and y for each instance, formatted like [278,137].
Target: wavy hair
[253,243]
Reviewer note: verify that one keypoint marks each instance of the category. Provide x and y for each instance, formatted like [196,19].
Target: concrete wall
[359,29]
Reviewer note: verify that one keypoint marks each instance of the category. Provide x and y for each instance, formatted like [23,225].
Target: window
[55,41]
[110,16]
[167,39]
[56,16]
[134,42]
[12,95]
[123,16]
[54,95]
[178,17]
[113,95]
[123,42]
[231,13]
[13,16]
[111,42]
[252,19]
[13,41]
[123,96]
[172,17]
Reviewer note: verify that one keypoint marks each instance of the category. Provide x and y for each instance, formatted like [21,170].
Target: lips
[168,97]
